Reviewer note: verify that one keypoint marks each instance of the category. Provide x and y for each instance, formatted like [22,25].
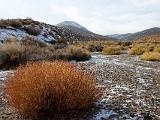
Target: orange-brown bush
[44,88]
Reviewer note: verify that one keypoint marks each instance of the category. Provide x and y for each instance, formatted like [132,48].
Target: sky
[100,16]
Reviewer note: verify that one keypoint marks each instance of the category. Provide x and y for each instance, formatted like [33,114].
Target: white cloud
[71,12]
[103,17]
[144,2]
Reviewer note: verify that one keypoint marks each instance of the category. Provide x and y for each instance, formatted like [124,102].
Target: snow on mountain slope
[71,23]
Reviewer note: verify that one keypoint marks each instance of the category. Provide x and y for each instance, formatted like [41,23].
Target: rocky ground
[131,86]
[131,90]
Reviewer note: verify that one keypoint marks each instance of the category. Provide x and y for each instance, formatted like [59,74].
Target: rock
[112,116]
[147,117]
[102,118]
[3,59]
[132,115]
[157,117]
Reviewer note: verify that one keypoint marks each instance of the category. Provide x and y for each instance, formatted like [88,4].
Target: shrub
[33,30]
[12,49]
[44,88]
[95,48]
[125,43]
[33,42]
[151,56]
[27,21]
[78,53]
[2,24]
[61,55]
[13,52]
[157,49]
[112,50]
[10,40]
[15,23]
[36,53]
[138,50]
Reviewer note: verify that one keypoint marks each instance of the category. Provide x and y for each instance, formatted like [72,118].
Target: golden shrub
[138,50]
[151,56]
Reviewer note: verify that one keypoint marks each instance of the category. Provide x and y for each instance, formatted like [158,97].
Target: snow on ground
[4,74]
[20,34]
[131,86]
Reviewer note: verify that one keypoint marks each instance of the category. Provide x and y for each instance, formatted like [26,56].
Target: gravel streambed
[131,90]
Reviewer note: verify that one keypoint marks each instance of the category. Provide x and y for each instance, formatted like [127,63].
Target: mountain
[70,24]
[137,35]
[80,30]
[149,38]
[66,31]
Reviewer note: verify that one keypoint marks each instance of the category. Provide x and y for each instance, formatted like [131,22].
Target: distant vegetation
[114,50]
[78,53]
[45,88]
[139,49]
[151,56]
[14,52]
[148,47]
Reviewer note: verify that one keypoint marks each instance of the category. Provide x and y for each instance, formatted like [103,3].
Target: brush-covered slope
[21,28]
[150,38]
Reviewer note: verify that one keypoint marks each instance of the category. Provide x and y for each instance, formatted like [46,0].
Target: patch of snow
[8,33]
[19,34]
[119,87]
[3,74]
[103,114]
[100,59]
[107,81]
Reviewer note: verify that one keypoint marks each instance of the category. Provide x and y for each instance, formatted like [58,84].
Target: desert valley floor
[130,88]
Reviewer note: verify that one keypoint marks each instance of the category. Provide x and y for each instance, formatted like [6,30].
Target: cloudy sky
[100,16]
